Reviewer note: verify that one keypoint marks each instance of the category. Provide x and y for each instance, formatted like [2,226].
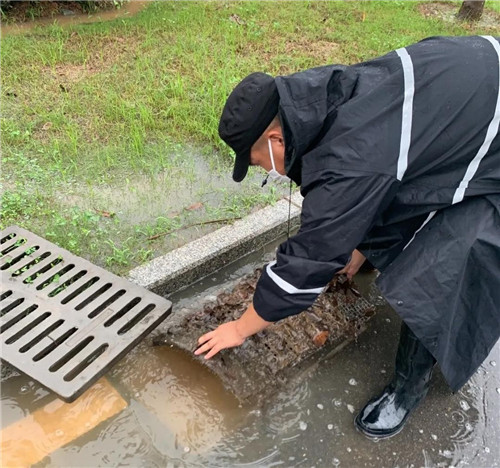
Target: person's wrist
[239,330]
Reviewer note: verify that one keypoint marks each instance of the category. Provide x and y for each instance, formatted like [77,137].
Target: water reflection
[178,414]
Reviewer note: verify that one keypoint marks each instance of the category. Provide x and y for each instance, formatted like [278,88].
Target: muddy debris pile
[268,360]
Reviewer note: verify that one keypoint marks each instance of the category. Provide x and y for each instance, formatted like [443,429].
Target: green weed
[87,109]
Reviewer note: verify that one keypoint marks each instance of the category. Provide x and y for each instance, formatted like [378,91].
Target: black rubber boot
[385,415]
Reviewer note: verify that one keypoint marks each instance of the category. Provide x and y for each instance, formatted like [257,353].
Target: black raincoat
[400,158]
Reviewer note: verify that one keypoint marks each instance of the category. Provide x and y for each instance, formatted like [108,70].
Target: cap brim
[241,163]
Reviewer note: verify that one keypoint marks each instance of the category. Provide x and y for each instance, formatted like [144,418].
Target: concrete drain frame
[63,320]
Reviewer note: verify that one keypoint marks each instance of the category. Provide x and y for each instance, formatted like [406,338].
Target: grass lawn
[109,130]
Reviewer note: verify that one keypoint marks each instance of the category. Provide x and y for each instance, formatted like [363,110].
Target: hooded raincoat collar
[308,107]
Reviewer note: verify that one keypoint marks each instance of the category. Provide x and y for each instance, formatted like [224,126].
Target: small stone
[350,408]
[468,426]
[383,371]
[400,303]
[308,412]
[302,425]
[320,406]
[487,449]
[59,433]
[335,462]
[337,402]
[464,405]
[388,320]
[421,431]
[493,363]
[434,437]
[330,427]
[349,449]
[498,391]
[353,382]
[187,449]
[24,389]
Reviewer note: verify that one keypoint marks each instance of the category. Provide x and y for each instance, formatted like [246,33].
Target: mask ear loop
[289,210]
[271,153]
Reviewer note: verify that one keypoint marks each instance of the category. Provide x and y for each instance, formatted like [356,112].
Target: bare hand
[357,259]
[224,336]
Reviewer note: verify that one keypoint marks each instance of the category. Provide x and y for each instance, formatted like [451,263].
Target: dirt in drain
[267,361]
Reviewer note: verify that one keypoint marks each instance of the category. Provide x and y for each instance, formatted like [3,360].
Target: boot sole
[371,435]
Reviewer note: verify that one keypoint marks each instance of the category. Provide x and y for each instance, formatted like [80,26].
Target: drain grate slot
[67,283]
[42,335]
[17,318]
[63,320]
[85,363]
[56,277]
[43,267]
[136,319]
[54,345]
[11,306]
[29,265]
[71,354]
[79,290]
[93,295]
[28,328]
[107,303]
[5,295]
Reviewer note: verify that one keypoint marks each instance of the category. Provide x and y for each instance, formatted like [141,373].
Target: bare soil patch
[447,12]
[23,11]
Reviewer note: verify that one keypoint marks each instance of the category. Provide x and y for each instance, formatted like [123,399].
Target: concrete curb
[201,257]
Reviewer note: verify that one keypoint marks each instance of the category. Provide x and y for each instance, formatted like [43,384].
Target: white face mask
[273,174]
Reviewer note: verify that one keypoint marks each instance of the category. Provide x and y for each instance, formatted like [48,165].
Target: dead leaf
[195,206]
[320,339]
[46,126]
[105,214]
[236,19]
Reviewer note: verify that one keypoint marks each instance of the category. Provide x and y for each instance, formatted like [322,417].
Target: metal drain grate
[63,320]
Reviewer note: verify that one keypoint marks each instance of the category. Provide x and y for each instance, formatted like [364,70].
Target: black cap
[249,110]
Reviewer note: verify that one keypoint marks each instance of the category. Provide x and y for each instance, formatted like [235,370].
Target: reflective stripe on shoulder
[490,135]
[286,286]
[407,115]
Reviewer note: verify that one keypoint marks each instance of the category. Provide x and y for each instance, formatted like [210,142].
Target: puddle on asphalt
[129,9]
[178,414]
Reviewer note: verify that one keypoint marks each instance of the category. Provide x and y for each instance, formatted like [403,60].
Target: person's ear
[276,136]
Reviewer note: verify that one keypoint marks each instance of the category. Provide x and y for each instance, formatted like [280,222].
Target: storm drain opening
[270,360]
[64,321]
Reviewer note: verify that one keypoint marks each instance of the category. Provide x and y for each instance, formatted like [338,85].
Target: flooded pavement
[178,414]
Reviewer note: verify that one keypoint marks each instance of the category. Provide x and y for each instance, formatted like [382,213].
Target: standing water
[175,413]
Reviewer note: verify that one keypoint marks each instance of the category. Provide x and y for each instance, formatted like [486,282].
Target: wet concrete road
[311,423]
[179,417]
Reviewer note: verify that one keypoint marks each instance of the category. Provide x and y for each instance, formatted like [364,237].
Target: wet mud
[266,362]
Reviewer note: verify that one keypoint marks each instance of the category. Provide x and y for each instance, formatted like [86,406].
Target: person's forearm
[250,323]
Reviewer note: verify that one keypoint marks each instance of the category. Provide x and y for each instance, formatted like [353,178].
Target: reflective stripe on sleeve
[407,117]
[286,286]
[490,135]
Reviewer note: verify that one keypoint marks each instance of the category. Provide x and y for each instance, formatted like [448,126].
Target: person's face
[260,156]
